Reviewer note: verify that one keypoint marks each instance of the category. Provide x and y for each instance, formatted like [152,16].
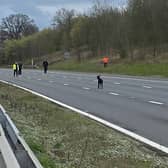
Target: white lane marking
[137,79]
[51,81]
[147,87]
[64,77]
[115,94]
[65,84]
[86,88]
[155,102]
[39,79]
[117,83]
[113,126]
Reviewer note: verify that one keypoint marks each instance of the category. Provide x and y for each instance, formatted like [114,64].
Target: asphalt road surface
[137,104]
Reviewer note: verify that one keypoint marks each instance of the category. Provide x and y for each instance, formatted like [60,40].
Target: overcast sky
[42,11]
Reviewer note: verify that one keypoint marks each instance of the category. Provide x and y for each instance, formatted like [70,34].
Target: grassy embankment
[63,139]
[124,68]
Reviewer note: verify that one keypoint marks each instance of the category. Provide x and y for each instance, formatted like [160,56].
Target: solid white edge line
[155,102]
[116,127]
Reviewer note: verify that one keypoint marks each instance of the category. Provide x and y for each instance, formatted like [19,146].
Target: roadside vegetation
[124,68]
[61,138]
[136,32]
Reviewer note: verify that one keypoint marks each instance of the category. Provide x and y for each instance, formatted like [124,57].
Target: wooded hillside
[103,30]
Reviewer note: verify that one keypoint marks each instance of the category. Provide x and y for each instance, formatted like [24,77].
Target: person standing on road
[15,69]
[20,65]
[45,66]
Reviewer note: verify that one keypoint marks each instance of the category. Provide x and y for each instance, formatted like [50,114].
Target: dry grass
[63,139]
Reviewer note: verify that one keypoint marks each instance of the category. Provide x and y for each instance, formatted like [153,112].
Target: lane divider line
[117,83]
[104,122]
[147,87]
[85,88]
[66,84]
[155,102]
[115,94]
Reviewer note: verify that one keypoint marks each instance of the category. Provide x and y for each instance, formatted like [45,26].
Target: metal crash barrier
[14,150]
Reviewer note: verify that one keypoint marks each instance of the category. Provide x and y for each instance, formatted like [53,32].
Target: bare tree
[18,25]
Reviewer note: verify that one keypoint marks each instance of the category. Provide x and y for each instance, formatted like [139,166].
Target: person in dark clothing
[20,65]
[45,66]
[100,82]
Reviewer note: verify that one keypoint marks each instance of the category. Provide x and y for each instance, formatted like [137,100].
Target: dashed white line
[147,87]
[39,79]
[86,88]
[117,83]
[66,84]
[116,127]
[155,102]
[115,94]
[51,81]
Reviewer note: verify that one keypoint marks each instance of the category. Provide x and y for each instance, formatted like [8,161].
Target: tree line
[103,30]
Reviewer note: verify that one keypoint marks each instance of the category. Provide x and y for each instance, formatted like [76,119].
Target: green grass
[135,69]
[61,138]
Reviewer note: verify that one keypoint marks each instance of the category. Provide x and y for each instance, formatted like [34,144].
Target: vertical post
[32,63]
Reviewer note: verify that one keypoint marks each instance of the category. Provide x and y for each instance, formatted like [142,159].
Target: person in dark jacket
[45,66]
[20,65]
[100,82]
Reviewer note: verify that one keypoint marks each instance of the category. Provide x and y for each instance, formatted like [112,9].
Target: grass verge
[135,69]
[61,138]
